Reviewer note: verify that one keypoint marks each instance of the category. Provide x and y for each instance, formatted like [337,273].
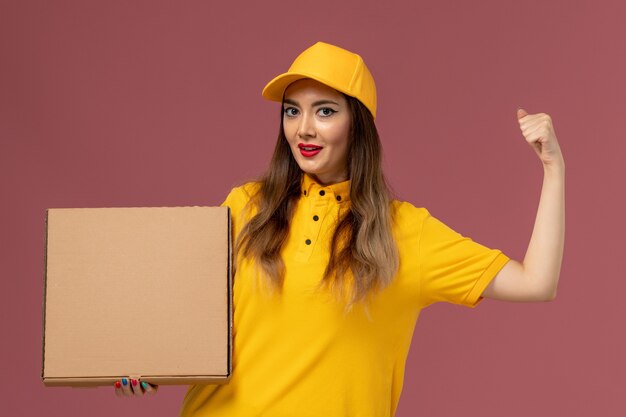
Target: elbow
[550,296]
[552,289]
[544,290]
[546,295]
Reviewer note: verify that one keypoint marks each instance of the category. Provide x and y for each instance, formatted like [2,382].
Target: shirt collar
[339,192]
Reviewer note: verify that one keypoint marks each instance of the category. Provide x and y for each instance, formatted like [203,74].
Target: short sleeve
[454,268]
[237,201]
[234,199]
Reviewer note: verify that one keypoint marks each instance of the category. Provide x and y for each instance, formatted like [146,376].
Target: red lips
[309,149]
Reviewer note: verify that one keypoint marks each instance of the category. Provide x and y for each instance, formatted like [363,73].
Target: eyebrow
[317,103]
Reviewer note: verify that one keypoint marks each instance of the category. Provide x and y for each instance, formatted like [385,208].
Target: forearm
[542,262]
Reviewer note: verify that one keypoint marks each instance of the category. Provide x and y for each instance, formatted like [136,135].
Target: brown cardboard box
[140,291]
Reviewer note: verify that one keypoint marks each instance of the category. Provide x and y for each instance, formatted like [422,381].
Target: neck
[329,180]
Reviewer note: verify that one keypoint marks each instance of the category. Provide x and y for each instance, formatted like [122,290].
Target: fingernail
[117,384]
[134,382]
[144,385]
[124,381]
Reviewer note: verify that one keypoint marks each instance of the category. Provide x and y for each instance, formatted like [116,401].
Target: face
[316,123]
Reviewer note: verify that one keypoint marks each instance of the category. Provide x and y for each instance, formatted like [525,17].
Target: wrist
[554,168]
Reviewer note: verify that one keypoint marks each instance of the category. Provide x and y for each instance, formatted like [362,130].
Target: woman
[332,273]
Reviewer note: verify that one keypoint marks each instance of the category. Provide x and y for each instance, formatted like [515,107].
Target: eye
[327,111]
[287,109]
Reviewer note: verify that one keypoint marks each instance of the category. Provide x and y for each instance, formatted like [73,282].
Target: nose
[306,128]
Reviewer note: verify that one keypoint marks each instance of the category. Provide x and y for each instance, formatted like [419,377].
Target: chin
[306,166]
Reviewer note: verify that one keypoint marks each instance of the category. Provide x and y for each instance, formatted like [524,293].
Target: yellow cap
[336,67]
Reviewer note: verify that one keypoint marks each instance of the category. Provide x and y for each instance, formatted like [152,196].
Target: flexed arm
[537,277]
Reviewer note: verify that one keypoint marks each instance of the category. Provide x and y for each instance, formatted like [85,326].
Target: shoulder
[239,196]
[406,214]
[238,202]
[411,219]
[408,221]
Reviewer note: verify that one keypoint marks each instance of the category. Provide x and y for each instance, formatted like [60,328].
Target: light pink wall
[155,103]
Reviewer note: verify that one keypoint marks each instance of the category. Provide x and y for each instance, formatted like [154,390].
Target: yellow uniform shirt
[297,354]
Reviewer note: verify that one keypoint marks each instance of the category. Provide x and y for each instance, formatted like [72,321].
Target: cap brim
[275,89]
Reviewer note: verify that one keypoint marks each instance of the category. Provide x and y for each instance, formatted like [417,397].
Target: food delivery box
[140,292]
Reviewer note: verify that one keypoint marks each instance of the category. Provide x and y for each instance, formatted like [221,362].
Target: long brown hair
[363,255]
